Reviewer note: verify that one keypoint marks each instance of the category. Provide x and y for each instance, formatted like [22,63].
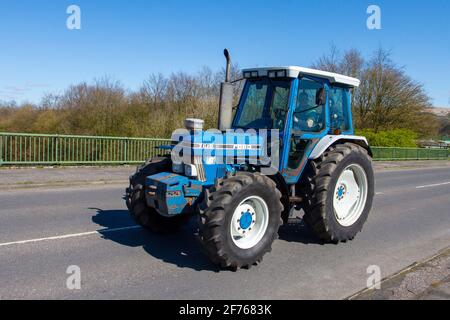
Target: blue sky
[128,40]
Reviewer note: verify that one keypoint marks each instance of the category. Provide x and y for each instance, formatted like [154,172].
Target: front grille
[201,175]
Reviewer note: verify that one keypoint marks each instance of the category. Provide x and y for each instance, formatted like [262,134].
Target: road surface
[43,231]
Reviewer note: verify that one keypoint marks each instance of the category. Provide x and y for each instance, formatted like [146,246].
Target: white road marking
[379,193]
[66,236]
[433,185]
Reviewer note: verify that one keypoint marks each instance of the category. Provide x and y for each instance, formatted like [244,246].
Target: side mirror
[321,97]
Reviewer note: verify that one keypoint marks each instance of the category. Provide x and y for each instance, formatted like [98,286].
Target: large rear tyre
[144,215]
[240,220]
[338,190]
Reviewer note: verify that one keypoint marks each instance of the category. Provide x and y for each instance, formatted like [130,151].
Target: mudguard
[329,140]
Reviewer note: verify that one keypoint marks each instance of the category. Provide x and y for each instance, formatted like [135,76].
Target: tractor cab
[305,105]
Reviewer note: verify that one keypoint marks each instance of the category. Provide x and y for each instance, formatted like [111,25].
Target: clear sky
[128,40]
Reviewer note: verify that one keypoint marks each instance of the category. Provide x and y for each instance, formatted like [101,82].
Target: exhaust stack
[226,97]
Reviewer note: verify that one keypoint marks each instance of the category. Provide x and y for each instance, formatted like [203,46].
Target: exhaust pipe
[226,97]
[228,69]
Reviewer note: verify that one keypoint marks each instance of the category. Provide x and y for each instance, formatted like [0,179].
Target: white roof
[294,72]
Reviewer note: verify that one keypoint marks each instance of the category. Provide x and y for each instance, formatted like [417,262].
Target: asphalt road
[43,231]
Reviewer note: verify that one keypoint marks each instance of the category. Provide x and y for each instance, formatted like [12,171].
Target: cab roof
[295,72]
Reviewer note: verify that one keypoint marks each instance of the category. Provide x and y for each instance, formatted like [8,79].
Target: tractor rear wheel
[144,215]
[240,219]
[338,190]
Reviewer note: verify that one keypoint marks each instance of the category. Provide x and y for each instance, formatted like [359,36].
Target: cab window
[339,107]
[308,116]
[253,103]
[280,104]
[264,104]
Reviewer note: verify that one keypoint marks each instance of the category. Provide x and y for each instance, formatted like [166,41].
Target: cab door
[309,119]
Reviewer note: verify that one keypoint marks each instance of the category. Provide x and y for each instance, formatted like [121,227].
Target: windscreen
[264,104]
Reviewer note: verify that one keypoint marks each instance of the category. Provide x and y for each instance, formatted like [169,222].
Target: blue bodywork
[174,193]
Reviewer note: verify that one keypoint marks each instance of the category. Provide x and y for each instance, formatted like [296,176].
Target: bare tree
[330,61]
[154,89]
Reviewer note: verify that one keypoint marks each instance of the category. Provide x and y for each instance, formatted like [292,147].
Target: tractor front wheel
[240,220]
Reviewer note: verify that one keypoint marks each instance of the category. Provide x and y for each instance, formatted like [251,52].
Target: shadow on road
[181,248]
[297,231]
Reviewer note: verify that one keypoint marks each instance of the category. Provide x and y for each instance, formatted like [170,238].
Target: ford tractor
[287,145]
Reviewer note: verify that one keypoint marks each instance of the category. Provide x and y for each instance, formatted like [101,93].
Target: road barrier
[47,149]
[395,154]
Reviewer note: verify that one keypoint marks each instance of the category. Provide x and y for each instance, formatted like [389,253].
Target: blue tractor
[315,164]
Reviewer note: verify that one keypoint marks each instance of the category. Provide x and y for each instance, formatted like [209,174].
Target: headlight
[190,170]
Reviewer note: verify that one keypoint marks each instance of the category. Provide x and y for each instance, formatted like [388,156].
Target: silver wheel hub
[249,222]
[350,195]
